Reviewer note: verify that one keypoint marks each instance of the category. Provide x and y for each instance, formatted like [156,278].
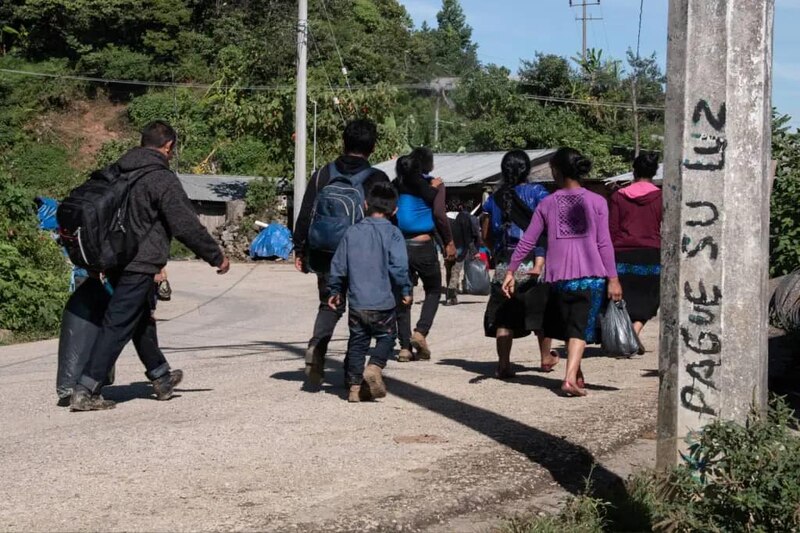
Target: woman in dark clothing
[635,223]
[513,317]
[421,213]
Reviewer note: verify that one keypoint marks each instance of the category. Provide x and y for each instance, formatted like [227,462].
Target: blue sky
[509,30]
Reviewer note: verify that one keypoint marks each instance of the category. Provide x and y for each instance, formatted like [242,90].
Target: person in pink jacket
[580,263]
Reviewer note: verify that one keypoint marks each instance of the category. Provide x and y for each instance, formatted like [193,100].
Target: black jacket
[160,210]
[346,164]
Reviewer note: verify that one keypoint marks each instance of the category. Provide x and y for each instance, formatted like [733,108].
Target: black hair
[407,168]
[381,198]
[570,163]
[360,137]
[425,157]
[645,165]
[516,166]
[158,133]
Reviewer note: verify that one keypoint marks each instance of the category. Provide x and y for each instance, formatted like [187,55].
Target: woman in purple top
[580,261]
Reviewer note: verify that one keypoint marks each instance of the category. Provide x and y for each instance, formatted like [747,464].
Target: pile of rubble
[235,240]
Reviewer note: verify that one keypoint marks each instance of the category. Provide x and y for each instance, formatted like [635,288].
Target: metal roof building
[481,168]
[623,179]
[215,188]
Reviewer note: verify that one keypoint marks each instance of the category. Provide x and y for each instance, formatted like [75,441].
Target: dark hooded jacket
[635,217]
[160,210]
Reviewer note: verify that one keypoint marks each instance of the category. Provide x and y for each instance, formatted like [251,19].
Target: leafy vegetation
[235,108]
[33,274]
[735,478]
[784,242]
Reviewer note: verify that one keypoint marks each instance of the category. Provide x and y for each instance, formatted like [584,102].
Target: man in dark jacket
[160,210]
[360,137]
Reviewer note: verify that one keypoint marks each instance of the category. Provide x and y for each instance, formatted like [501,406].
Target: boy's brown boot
[405,356]
[374,380]
[354,396]
[420,344]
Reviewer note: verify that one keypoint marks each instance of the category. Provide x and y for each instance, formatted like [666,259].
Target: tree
[447,50]
[547,75]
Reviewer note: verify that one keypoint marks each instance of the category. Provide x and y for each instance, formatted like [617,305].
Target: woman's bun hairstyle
[570,163]
[645,165]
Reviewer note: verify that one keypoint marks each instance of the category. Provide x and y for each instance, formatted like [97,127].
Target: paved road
[244,447]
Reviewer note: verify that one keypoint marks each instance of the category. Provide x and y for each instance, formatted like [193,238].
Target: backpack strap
[356,180]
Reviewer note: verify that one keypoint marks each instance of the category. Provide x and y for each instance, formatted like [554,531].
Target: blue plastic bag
[47,213]
[273,241]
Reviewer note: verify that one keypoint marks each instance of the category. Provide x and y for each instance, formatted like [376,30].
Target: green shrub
[116,62]
[736,478]
[43,168]
[34,277]
[246,156]
[785,217]
[113,150]
[581,514]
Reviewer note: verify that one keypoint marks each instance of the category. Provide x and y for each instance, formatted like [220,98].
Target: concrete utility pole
[300,108]
[716,219]
[584,4]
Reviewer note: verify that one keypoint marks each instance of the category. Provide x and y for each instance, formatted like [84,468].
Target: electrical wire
[599,103]
[331,88]
[325,71]
[338,52]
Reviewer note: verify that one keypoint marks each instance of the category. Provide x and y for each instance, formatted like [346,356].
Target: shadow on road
[139,390]
[485,370]
[569,464]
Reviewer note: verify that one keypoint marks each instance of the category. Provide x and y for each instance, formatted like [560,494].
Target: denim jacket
[371,261]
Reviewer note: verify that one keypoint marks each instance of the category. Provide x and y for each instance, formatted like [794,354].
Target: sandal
[550,367]
[579,380]
[570,389]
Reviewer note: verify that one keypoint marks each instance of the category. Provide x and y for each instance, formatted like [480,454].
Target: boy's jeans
[364,325]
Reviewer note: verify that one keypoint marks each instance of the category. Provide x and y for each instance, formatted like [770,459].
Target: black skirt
[639,273]
[573,309]
[522,313]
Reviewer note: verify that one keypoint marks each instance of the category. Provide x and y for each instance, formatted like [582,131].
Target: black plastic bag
[476,276]
[616,330]
[80,325]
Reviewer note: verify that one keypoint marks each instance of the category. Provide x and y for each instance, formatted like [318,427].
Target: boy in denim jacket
[371,263]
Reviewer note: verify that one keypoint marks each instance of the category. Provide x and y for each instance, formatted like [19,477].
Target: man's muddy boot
[354,396]
[164,387]
[374,379]
[405,356]
[315,366]
[83,400]
[420,344]
[451,298]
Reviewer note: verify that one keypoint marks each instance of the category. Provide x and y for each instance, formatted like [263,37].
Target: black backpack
[94,220]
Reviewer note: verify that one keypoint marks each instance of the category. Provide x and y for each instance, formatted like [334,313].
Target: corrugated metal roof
[461,170]
[628,176]
[215,188]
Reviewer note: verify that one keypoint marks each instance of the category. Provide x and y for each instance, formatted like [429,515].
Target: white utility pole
[300,140]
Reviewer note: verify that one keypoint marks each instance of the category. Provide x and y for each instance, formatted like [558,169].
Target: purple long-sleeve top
[578,240]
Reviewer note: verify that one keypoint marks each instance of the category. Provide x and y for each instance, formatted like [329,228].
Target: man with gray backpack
[333,202]
[118,226]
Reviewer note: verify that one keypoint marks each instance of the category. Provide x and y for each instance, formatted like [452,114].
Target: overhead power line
[598,103]
[331,88]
